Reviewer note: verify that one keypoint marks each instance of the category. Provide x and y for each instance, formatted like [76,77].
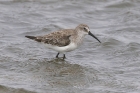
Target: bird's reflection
[61,73]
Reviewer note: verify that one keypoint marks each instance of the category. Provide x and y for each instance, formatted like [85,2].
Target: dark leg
[64,56]
[57,55]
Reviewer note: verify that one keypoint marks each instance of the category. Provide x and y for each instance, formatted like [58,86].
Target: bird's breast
[70,47]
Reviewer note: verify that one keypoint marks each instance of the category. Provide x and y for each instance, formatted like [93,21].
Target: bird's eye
[85,29]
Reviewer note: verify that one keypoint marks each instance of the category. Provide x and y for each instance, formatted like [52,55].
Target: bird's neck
[78,38]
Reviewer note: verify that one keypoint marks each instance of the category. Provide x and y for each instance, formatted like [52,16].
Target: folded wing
[57,39]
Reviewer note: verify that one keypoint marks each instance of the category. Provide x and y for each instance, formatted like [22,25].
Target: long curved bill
[93,36]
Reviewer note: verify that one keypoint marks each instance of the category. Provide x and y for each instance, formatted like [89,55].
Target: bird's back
[59,38]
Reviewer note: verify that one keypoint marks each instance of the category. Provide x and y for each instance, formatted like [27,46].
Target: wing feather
[57,38]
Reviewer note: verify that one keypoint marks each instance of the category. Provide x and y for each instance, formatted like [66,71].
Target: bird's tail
[31,37]
[38,39]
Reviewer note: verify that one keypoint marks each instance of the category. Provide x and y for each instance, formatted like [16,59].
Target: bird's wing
[58,38]
[55,38]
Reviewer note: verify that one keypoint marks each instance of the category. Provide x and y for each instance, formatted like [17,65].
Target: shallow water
[110,67]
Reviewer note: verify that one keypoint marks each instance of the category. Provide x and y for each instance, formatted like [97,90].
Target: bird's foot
[64,57]
[57,55]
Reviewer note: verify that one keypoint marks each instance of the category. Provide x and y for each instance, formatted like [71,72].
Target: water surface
[110,67]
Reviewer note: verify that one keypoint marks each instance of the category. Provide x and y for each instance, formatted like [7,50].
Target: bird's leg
[64,56]
[57,55]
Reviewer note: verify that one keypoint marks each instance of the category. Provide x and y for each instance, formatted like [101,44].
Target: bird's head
[84,29]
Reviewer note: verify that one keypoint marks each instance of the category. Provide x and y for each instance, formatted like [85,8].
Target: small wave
[122,4]
[5,89]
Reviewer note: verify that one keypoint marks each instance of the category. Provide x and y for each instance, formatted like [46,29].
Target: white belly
[67,48]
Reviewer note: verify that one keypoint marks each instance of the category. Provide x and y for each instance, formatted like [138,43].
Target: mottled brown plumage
[55,38]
